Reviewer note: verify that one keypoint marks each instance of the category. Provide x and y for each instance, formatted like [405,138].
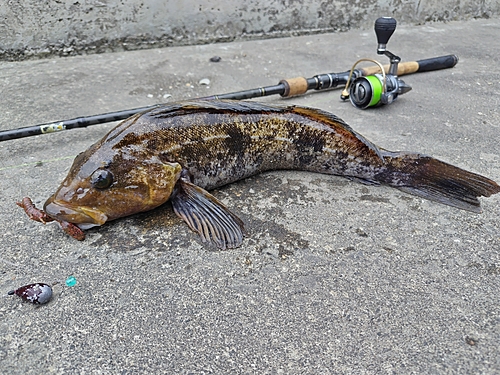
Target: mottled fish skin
[219,142]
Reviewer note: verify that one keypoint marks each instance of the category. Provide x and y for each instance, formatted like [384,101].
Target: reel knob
[384,28]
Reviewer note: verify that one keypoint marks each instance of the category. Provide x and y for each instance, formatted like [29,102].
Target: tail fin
[435,180]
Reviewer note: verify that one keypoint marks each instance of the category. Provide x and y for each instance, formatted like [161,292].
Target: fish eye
[101,179]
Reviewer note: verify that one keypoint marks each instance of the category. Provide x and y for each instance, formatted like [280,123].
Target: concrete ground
[333,277]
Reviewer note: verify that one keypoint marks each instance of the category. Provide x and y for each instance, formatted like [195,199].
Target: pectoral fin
[206,215]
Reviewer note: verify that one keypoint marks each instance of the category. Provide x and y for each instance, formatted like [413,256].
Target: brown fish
[179,151]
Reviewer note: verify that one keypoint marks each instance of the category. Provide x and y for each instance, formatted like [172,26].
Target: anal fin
[206,215]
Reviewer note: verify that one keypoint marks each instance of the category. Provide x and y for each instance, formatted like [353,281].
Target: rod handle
[436,63]
[409,67]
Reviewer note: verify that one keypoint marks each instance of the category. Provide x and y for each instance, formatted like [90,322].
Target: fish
[178,152]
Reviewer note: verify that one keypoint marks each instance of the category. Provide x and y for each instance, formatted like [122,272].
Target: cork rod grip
[403,68]
[294,86]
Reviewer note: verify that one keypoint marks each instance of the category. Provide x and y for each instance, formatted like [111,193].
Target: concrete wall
[38,28]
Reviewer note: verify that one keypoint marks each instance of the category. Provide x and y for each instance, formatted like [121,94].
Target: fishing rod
[285,88]
[365,87]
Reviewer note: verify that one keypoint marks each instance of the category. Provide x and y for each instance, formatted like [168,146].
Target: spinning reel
[382,88]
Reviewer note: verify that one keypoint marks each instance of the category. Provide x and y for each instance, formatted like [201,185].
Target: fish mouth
[81,215]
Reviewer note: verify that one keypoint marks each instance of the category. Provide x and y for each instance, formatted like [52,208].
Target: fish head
[104,185]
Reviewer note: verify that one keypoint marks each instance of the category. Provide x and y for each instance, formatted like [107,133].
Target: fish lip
[79,215]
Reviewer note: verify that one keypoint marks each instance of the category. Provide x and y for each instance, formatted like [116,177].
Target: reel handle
[384,28]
